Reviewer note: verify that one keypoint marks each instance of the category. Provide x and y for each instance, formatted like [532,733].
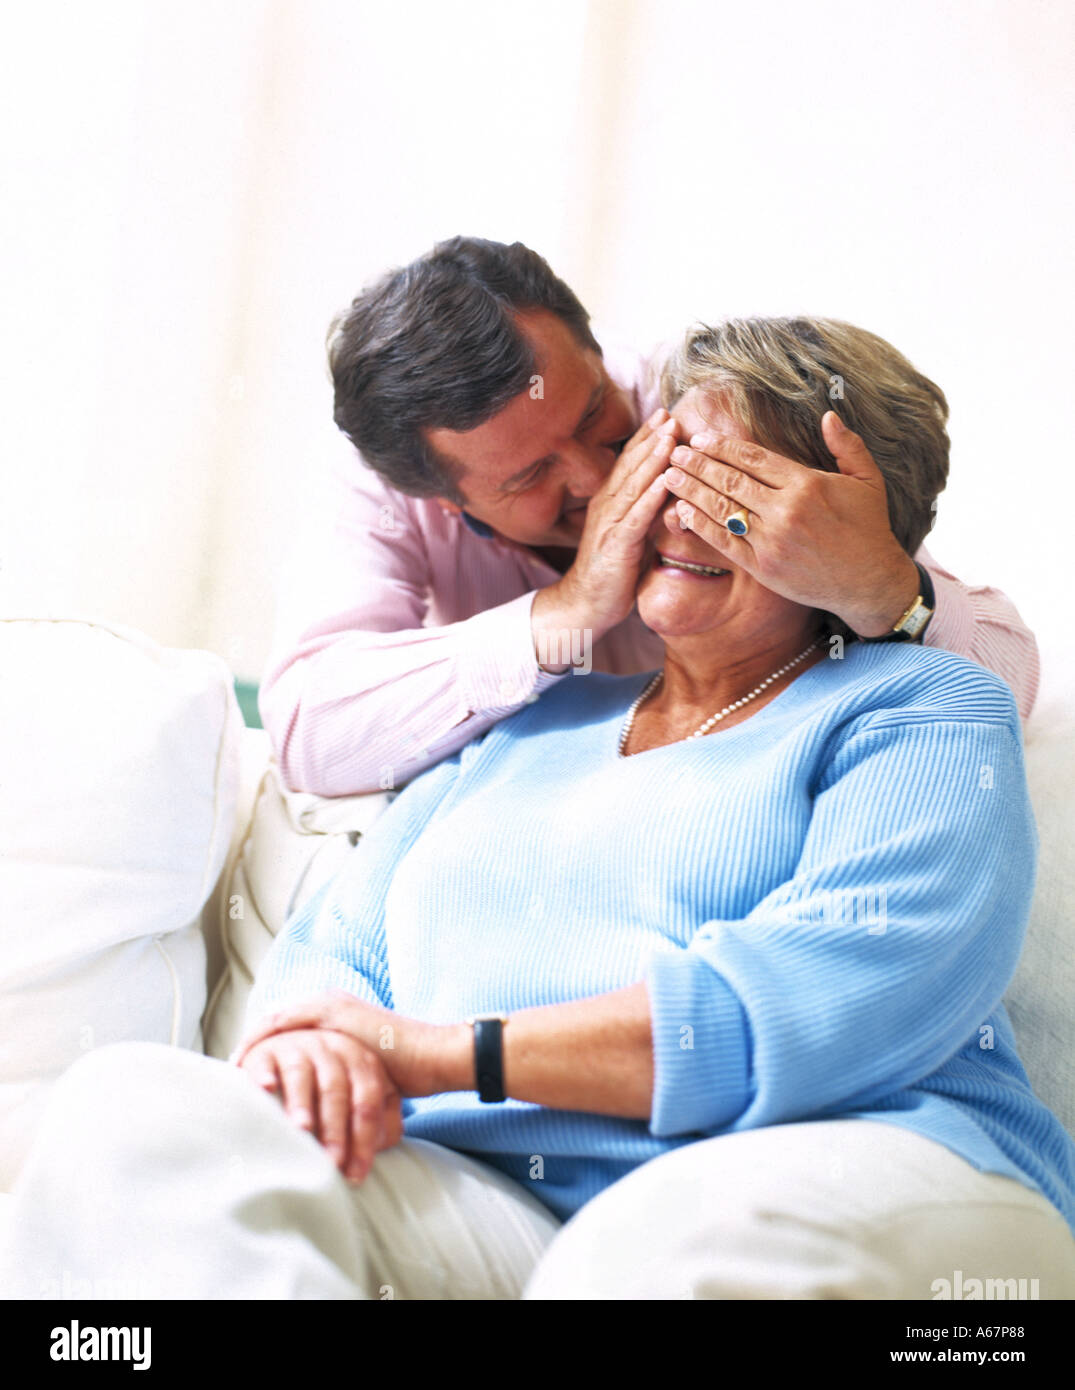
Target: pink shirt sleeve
[984,625]
[359,693]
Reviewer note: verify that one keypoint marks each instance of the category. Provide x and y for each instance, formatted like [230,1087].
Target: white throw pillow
[117,804]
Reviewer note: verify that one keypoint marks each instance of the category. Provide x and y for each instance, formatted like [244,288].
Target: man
[489,537]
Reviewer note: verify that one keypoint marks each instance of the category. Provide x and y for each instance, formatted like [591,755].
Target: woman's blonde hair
[776,377]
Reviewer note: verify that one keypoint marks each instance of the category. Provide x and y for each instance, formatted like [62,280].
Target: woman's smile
[687,569]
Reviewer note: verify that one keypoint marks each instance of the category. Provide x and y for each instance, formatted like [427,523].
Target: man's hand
[820,539]
[335,1087]
[598,591]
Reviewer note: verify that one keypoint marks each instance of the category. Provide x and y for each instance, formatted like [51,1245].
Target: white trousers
[159,1173]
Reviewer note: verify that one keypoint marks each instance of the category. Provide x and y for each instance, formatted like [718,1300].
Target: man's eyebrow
[591,404]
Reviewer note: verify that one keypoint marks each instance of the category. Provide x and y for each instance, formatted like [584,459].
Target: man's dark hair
[436,345]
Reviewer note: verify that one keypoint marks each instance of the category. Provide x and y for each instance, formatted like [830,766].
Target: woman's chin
[673,615]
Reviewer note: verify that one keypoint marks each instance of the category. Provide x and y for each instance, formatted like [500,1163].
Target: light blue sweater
[826,902]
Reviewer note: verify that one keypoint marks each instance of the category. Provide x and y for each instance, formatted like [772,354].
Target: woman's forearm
[592,1054]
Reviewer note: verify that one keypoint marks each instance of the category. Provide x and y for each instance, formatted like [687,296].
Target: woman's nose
[669,516]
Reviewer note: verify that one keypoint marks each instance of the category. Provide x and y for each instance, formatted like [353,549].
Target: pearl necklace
[716,718]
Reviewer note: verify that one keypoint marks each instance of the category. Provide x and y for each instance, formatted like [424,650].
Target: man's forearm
[363,711]
[876,608]
[564,632]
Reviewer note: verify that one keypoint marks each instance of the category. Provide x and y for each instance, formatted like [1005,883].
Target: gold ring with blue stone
[738,523]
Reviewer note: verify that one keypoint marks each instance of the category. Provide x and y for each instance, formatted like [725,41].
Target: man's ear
[449,506]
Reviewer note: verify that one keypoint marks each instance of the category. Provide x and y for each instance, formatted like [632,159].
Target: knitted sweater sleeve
[880,958]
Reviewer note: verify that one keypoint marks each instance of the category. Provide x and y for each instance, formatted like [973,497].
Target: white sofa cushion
[1041,996]
[119,770]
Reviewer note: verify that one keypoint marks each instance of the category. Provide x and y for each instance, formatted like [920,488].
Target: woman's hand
[819,539]
[541,1048]
[335,1087]
[421,1059]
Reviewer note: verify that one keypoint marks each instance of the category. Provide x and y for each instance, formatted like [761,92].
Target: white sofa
[150,854]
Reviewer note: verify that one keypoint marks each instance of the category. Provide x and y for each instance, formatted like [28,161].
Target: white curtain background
[192,190]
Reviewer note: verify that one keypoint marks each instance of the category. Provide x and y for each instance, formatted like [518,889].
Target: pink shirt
[401,634]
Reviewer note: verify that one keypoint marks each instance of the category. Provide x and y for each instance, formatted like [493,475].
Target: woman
[750,921]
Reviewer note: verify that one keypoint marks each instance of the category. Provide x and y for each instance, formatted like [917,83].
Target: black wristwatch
[912,626]
[489,1056]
